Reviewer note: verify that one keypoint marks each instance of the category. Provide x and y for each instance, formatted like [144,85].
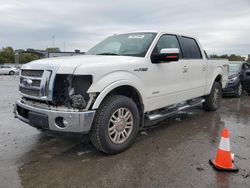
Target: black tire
[11,73]
[212,101]
[238,90]
[100,135]
[248,92]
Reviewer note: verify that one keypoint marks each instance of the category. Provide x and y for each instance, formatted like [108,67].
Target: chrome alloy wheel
[120,125]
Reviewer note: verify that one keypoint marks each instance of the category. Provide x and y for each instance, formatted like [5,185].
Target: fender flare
[218,72]
[111,87]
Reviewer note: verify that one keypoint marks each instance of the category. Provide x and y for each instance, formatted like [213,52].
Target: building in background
[44,54]
[60,54]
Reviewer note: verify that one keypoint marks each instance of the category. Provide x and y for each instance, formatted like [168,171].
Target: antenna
[53,39]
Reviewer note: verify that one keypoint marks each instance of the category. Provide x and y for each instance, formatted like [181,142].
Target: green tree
[7,55]
[214,56]
[27,57]
[53,50]
[225,56]
[231,57]
[234,57]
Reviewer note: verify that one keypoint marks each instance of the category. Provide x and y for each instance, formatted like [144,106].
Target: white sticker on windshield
[136,36]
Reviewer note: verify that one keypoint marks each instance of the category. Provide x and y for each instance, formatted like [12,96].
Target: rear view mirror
[166,55]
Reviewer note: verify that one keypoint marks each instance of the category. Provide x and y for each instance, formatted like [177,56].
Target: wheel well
[130,92]
[218,79]
[133,94]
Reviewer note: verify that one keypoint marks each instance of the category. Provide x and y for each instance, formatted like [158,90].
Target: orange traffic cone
[223,160]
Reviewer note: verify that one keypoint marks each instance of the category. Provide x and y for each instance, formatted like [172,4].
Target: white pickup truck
[121,85]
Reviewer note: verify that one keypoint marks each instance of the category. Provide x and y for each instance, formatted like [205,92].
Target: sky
[222,26]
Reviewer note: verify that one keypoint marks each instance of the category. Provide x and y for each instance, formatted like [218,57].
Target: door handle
[204,67]
[185,69]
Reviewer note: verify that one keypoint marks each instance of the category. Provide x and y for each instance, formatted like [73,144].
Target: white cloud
[222,26]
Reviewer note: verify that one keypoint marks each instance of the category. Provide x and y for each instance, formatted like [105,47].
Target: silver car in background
[7,69]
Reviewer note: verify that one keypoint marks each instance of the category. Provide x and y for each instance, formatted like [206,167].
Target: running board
[154,117]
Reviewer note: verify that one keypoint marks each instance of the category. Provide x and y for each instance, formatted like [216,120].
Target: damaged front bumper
[61,120]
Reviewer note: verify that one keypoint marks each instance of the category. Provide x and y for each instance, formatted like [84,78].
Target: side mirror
[166,55]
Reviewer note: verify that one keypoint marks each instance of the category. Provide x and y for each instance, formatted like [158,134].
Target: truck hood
[67,65]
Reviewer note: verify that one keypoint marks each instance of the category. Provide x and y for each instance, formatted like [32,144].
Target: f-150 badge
[141,69]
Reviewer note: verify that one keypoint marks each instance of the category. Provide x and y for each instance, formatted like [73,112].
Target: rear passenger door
[196,67]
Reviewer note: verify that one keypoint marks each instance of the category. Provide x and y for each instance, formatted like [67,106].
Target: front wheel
[238,90]
[116,124]
[212,101]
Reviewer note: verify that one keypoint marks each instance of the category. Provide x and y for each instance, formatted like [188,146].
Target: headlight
[232,80]
[71,90]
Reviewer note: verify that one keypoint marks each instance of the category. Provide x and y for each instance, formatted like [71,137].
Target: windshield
[132,44]
[234,68]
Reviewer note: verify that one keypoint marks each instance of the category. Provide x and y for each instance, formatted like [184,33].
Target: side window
[191,49]
[166,41]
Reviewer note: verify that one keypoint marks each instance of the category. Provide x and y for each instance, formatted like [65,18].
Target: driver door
[168,79]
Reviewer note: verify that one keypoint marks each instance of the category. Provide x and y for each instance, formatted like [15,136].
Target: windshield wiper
[107,53]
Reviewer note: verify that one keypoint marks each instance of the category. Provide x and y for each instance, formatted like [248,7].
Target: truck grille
[32,73]
[34,83]
[30,92]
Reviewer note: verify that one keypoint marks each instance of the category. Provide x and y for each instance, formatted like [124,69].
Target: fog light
[61,122]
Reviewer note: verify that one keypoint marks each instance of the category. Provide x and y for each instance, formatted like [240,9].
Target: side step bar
[154,117]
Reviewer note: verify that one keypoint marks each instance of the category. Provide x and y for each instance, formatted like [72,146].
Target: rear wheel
[238,90]
[212,101]
[116,124]
[11,73]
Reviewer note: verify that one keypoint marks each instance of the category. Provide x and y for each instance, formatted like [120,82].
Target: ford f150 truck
[118,87]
